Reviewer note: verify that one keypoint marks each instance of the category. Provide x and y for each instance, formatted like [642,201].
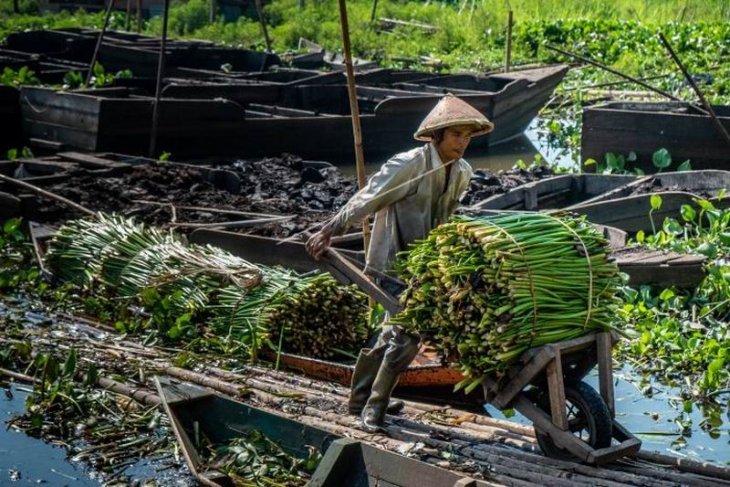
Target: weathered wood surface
[621,127]
[556,192]
[309,119]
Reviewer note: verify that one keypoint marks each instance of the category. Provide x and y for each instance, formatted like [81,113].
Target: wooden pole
[508,47]
[262,22]
[710,111]
[139,16]
[373,11]
[355,110]
[48,194]
[95,56]
[625,76]
[160,74]
[128,17]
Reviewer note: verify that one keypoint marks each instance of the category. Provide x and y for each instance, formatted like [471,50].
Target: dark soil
[277,186]
[654,186]
[486,183]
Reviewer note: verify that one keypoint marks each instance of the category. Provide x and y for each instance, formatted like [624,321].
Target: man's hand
[319,243]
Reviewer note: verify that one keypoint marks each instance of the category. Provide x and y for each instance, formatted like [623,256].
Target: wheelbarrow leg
[604,344]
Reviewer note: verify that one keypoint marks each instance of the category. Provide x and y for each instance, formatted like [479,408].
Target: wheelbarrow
[572,420]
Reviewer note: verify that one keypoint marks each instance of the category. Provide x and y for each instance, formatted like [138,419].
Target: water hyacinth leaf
[688,213]
[672,227]
[655,201]
[685,166]
[631,157]
[11,226]
[705,204]
[724,238]
[667,294]
[708,249]
[661,159]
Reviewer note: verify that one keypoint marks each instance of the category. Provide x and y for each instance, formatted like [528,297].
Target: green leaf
[704,204]
[589,162]
[707,249]
[640,236]
[655,201]
[11,226]
[69,367]
[688,213]
[672,227]
[667,294]
[631,157]
[685,166]
[661,159]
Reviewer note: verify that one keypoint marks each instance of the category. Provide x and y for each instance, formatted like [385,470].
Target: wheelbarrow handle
[335,259]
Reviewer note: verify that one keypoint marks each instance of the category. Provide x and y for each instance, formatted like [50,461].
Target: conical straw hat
[451,111]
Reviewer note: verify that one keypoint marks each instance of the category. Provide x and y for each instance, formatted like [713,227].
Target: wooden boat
[196,413]
[555,192]
[10,126]
[631,212]
[643,266]
[311,120]
[644,128]
[124,50]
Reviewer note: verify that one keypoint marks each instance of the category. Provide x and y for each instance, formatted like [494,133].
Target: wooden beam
[556,388]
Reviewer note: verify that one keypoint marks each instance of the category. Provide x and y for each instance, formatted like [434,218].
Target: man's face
[453,145]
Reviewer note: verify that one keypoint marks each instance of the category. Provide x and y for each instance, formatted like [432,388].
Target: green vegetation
[484,290]
[683,336]
[183,286]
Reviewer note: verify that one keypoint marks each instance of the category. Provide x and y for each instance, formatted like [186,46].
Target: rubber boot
[373,415]
[366,370]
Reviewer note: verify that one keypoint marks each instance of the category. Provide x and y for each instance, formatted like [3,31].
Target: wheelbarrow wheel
[588,419]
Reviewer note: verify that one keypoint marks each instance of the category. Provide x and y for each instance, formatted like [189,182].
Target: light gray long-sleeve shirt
[406,212]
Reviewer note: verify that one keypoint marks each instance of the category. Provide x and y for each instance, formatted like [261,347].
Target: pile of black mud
[486,183]
[279,186]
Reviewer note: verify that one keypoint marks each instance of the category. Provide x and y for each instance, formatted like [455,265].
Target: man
[411,194]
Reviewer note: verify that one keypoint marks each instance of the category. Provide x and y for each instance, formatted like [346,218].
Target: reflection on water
[25,460]
[500,157]
[655,414]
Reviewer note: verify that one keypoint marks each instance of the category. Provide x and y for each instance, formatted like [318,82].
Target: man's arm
[390,184]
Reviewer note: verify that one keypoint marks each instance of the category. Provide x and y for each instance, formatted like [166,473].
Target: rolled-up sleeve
[391,183]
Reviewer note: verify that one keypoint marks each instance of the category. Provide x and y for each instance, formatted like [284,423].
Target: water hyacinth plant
[178,282]
[484,290]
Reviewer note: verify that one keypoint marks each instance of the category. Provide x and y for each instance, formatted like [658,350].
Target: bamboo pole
[264,30]
[139,16]
[710,111]
[373,11]
[47,194]
[95,56]
[160,74]
[508,47]
[128,16]
[355,112]
[625,76]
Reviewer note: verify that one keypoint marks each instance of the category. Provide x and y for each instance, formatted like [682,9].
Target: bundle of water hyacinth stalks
[484,290]
[250,303]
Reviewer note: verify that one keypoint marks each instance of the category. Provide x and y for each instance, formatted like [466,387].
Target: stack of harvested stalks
[484,290]
[253,304]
